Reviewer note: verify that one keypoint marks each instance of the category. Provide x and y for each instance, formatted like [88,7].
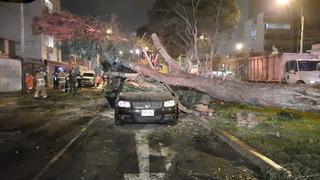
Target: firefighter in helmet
[40,84]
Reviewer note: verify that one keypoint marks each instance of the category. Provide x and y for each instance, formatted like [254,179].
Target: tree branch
[173,65]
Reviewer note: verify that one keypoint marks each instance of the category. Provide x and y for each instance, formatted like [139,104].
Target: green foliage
[164,20]
[289,137]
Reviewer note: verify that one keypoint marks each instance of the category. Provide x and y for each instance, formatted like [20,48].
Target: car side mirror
[173,94]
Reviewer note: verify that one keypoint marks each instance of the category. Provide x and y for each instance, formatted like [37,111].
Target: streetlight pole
[302,26]
[22,49]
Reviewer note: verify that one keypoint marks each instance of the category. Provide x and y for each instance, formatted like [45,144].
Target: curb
[258,159]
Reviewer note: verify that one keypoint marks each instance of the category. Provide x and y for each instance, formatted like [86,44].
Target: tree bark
[297,97]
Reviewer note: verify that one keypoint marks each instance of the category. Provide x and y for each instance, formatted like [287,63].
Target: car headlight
[312,82]
[169,103]
[124,104]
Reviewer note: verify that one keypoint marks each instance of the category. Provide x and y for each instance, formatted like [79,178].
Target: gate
[10,75]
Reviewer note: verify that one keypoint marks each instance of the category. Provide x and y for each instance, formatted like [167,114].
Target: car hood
[87,77]
[145,96]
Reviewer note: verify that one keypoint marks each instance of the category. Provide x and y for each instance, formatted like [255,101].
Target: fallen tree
[267,95]
[297,97]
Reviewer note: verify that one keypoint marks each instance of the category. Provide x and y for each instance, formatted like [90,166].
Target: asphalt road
[91,147]
[73,137]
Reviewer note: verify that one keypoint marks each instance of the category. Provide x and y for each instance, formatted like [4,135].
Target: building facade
[265,34]
[39,50]
[36,47]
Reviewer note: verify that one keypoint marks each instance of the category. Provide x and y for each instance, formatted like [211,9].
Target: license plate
[147,112]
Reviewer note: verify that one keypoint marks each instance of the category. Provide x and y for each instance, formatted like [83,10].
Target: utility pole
[302,26]
[22,48]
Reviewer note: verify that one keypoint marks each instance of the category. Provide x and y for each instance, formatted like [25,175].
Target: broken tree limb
[299,97]
[174,66]
[180,106]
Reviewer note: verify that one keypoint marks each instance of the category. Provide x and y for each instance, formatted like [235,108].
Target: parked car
[144,103]
[87,79]
[112,88]
[219,74]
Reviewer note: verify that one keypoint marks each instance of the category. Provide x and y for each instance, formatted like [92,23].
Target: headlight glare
[124,104]
[169,103]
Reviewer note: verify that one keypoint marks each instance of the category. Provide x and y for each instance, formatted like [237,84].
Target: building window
[48,5]
[253,33]
[2,46]
[12,49]
[50,41]
[277,26]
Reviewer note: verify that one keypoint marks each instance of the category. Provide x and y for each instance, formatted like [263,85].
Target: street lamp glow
[109,31]
[121,52]
[283,2]
[131,51]
[239,46]
[146,48]
[137,51]
[202,37]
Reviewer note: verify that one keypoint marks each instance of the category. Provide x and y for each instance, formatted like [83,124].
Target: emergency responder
[55,80]
[62,80]
[40,84]
[29,82]
[72,82]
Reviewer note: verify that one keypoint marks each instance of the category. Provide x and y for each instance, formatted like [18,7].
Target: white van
[303,71]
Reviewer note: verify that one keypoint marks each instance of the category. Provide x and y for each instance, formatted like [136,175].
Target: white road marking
[169,156]
[143,153]
[62,151]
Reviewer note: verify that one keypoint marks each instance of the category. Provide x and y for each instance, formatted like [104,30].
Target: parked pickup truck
[87,79]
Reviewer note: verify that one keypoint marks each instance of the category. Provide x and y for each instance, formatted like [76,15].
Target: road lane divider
[143,155]
[63,150]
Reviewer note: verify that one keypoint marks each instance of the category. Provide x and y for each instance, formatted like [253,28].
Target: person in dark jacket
[55,80]
[72,82]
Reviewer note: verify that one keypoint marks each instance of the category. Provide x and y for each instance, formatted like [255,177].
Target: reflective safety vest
[29,81]
[40,79]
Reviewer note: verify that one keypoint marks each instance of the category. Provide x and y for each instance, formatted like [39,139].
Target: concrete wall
[10,23]
[10,75]
[260,33]
[254,34]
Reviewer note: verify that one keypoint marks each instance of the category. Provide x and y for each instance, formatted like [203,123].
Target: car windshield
[88,74]
[309,65]
[141,87]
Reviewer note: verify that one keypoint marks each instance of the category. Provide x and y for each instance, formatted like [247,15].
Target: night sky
[132,13]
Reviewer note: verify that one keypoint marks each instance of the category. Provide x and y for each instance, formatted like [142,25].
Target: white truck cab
[304,71]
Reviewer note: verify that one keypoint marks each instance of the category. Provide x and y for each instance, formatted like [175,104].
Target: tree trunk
[297,97]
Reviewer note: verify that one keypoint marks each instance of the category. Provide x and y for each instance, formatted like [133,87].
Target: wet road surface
[91,147]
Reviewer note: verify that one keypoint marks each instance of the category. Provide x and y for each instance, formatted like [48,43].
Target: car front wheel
[116,119]
[117,123]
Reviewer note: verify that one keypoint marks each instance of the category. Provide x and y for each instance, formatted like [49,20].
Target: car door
[291,72]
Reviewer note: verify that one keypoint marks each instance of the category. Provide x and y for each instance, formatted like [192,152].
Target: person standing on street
[55,77]
[62,80]
[29,82]
[79,78]
[40,85]
[72,82]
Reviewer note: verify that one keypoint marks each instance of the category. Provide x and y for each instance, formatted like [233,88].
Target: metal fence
[10,75]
